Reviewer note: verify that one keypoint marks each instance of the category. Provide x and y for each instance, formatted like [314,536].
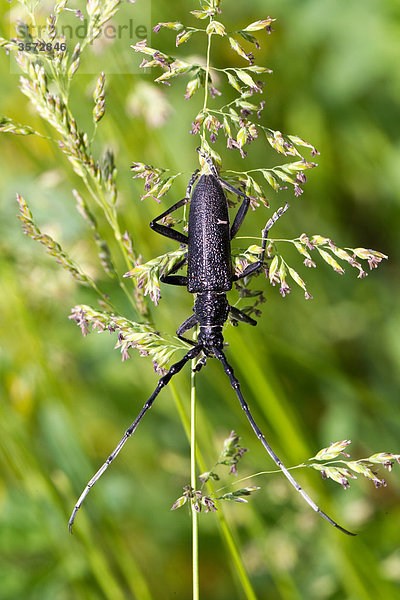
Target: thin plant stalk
[207,69]
[195,517]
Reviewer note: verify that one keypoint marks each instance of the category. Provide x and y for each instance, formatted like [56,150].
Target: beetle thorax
[211,310]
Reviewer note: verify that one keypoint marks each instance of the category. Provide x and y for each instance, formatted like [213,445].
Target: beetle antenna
[163,381]
[236,386]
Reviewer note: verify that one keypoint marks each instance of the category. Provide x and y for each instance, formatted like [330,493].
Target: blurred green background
[313,371]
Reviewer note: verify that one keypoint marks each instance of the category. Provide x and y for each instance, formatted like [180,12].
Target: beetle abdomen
[209,253]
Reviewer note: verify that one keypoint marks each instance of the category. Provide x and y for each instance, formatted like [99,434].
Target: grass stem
[195,520]
[227,535]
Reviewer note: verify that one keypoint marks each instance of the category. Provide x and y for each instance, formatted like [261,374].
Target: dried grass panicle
[387,459]
[198,500]
[278,269]
[139,336]
[84,210]
[156,184]
[75,61]
[326,248]
[333,451]
[59,7]
[341,470]
[128,245]
[99,99]
[10,126]
[53,109]
[51,27]
[46,81]
[231,453]
[104,252]
[8,45]
[246,257]
[99,12]
[232,118]
[105,256]
[147,275]
[134,260]
[52,247]
[237,495]
[230,456]
[338,474]
[109,174]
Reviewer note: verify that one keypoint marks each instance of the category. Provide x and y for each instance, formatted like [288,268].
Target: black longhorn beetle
[209,275]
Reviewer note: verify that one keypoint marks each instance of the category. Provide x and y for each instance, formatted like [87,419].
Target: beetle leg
[168,231]
[186,325]
[172,279]
[250,269]
[240,216]
[256,266]
[243,208]
[239,315]
[232,189]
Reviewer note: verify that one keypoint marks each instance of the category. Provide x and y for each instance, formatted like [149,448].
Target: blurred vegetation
[314,371]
